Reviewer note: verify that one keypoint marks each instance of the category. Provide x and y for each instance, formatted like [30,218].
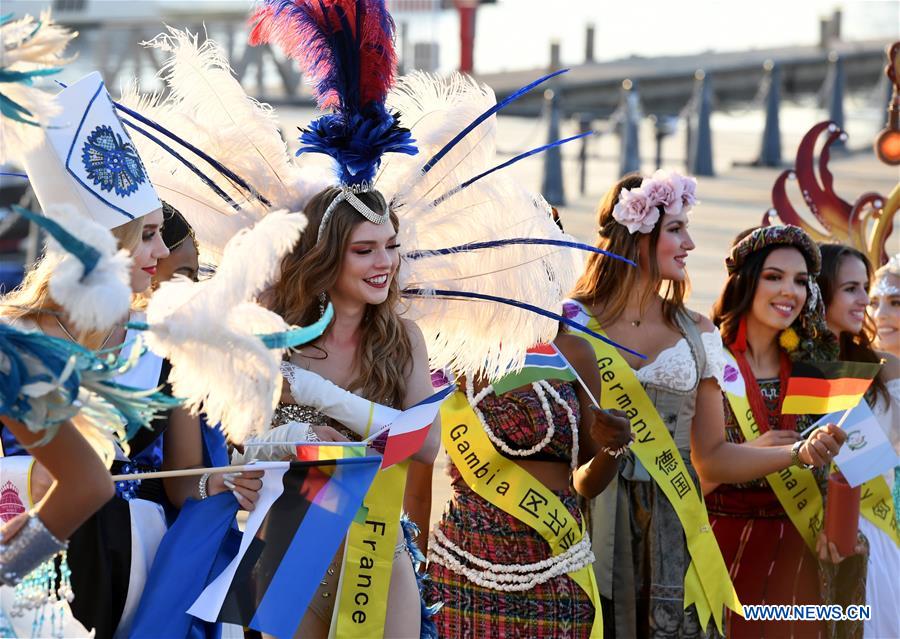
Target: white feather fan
[208,330]
[27,45]
[471,337]
[103,297]
[207,106]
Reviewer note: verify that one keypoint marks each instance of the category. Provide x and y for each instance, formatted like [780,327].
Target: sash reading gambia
[707,584]
[798,491]
[512,489]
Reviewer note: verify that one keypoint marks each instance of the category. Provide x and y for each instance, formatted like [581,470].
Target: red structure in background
[466,9]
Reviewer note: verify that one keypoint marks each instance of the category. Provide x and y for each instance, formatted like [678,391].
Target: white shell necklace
[541,388]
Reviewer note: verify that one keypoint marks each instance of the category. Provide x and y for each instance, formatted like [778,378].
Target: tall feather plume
[209,330]
[346,47]
[471,337]
[207,106]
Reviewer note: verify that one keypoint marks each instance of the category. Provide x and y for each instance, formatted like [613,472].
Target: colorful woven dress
[483,538]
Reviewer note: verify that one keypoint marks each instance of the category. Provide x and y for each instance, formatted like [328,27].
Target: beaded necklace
[541,388]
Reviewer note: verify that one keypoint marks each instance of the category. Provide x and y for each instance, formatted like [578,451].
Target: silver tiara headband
[883,289]
[348,194]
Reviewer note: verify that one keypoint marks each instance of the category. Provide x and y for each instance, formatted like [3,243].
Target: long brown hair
[737,295]
[31,297]
[855,347]
[384,356]
[612,282]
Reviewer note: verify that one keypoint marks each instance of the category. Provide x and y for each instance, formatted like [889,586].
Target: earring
[322,300]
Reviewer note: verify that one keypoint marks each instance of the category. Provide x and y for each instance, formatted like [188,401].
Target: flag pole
[840,423]
[188,472]
[215,470]
[578,377]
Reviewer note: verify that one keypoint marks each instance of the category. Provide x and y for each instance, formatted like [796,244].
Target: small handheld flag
[816,388]
[303,513]
[542,361]
[408,431]
[867,453]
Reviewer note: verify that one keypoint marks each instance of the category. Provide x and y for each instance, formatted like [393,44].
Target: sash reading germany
[796,488]
[361,608]
[707,584]
[509,487]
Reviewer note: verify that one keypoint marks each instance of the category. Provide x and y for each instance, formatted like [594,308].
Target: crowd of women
[642,498]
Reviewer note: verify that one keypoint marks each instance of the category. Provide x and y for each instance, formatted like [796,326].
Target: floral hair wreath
[638,209]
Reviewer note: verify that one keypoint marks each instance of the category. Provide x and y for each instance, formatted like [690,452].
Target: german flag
[817,388]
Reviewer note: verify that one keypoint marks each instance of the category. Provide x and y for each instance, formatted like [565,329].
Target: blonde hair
[611,282]
[384,355]
[32,297]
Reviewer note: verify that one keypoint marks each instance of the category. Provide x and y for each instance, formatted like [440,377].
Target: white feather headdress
[465,335]
[207,106]
[209,330]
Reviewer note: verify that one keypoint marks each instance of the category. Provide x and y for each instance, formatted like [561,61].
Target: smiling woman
[350,261]
[770,312]
[844,280]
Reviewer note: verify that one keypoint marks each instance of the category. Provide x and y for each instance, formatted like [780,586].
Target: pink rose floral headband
[638,209]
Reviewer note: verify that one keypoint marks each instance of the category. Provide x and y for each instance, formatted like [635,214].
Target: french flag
[408,431]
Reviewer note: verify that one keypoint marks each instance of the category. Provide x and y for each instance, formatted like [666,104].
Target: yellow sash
[877,505]
[509,487]
[707,584]
[361,607]
[796,488]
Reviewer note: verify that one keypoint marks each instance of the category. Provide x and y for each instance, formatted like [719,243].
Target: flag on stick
[303,513]
[867,453]
[542,361]
[815,388]
[408,431]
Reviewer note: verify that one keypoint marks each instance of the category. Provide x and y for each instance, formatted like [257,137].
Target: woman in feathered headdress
[105,187]
[885,305]
[349,255]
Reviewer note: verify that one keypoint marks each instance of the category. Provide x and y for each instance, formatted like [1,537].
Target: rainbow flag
[816,388]
[542,361]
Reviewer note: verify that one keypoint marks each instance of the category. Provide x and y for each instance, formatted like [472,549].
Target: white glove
[359,415]
[273,449]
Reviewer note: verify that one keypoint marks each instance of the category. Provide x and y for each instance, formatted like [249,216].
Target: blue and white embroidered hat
[86,158]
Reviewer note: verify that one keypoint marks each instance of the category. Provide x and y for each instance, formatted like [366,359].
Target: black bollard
[700,156]
[836,83]
[628,128]
[584,125]
[770,152]
[552,187]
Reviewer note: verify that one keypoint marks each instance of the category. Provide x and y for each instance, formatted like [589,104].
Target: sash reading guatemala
[707,584]
[507,486]
[796,488]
